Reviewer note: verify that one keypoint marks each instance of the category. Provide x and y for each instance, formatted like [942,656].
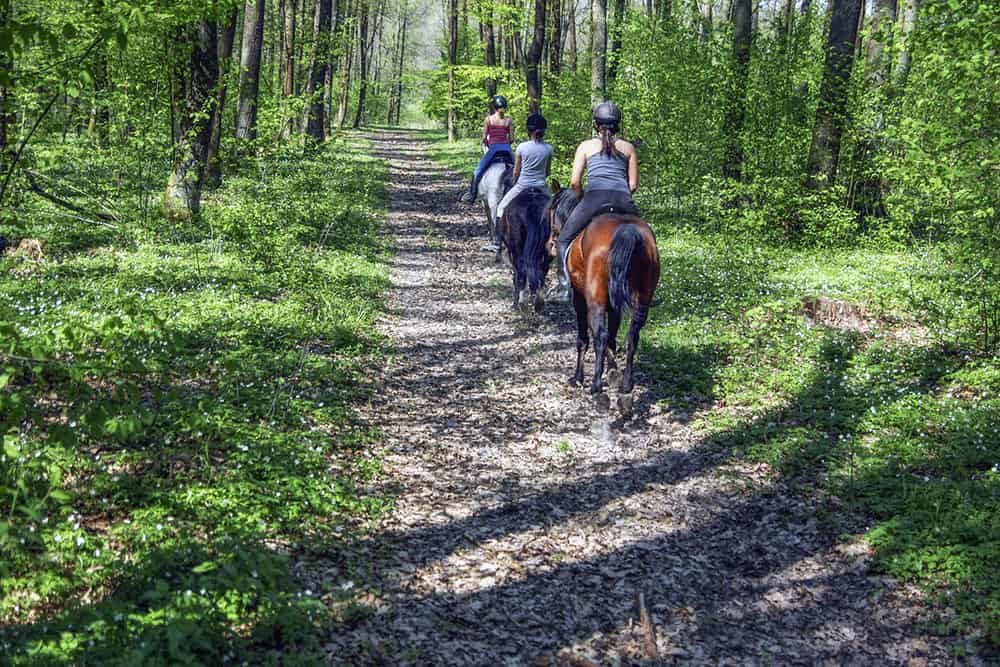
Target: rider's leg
[507,199]
[477,173]
[577,221]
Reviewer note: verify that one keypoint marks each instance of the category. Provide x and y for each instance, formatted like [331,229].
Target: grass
[178,410]
[903,429]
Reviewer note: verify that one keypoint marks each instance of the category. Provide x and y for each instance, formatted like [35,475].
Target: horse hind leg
[600,334]
[582,335]
[614,322]
[638,319]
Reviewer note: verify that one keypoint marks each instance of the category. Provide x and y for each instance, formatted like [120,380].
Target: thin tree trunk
[339,6]
[533,61]
[555,38]
[911,12]
[831,113]
[491,52]
[452,62]
[571,37]
[598,49]
[737,107]
[213,177]
[314,123]
[195,97]
[288,62]
[253,44]
[345,82]
[616,42]
[6,66]
[364,55]
[398,97]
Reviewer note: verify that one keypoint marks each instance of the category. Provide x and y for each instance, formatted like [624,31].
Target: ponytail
[608,139]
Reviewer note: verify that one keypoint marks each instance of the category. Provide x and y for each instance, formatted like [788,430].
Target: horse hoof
[602,402]
[625,405]
[574,381]
[614,376]
[539,303]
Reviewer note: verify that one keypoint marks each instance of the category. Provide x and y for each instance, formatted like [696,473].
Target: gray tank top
[535,157]
[606,172]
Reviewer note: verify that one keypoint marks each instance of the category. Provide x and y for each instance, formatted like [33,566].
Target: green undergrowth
[881,409]
[177,411]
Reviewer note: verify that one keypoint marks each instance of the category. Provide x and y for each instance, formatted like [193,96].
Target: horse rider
[612,177]
[498,135]
[532,162]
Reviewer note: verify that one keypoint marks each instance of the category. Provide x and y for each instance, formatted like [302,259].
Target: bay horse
[525,233]
[613,265]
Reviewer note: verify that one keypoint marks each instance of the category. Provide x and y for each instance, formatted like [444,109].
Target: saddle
[615,210]
[505,157]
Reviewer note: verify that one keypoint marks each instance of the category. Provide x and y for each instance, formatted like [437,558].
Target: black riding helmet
[500,102]
[536,122]
[608,114]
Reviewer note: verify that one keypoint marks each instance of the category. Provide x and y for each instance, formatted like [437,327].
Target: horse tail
[534,254]
[624,243]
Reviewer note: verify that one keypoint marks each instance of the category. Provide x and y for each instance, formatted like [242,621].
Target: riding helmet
[536,122]
[607,113]
[500,102]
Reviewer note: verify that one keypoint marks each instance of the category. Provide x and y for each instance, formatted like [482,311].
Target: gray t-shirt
[535,156]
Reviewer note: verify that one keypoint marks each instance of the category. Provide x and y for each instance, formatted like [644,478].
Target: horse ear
[555,187]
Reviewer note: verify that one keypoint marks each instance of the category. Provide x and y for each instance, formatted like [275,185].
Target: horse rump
[527,213]
[626,240]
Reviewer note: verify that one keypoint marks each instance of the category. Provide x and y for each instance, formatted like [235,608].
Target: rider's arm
[517,167]
[579,162]
[510,132]
[633,171]
[486,131]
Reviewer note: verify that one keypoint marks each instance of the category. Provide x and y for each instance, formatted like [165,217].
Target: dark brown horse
[612,265]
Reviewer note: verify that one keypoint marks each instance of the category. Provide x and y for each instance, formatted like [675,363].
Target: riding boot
[560,291]
[469,195]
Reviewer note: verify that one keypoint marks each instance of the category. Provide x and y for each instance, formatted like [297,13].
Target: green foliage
[171,413]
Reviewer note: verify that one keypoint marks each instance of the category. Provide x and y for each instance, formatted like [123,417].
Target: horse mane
[563,202]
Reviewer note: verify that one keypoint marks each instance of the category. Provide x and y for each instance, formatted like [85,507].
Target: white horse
[493,185]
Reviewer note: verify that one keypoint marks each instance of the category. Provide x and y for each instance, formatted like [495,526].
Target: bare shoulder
[625,147]
[588,147]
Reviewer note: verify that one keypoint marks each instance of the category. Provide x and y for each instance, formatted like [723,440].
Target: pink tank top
[497,134]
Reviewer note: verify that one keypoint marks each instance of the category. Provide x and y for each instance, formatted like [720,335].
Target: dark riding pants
[593,201]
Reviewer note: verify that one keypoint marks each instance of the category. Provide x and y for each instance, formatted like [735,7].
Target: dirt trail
[528,522]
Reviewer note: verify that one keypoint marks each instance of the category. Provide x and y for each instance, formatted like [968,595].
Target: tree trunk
[287,68]
[364,55]
[452,61]
[883,20]
[7,68]
[706,20]
[571,37]
[737,106]
[398,94]
[832,110]
[313,124]
[665,11]
[195,96]
[533,61]
[555,38]
[911,11]
[253,44]
[616,42]
[339,6]
[598,49]
[491,53]
[347,34]
[213,177]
